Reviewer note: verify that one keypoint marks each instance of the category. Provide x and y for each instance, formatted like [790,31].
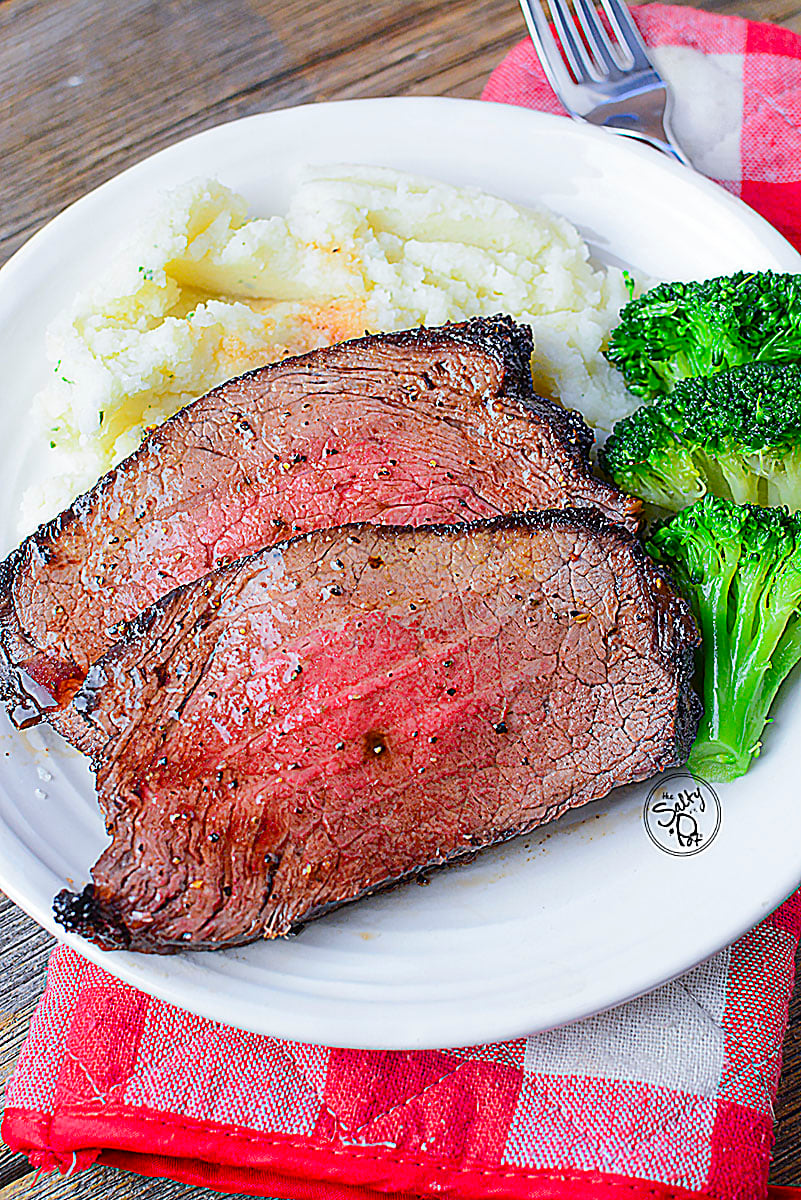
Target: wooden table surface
[88,87]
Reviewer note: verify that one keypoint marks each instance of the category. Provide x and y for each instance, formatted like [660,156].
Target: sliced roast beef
[408,428]
[331,715]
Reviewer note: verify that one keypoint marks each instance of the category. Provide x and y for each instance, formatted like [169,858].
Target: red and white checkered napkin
[667,1096]
[737,86]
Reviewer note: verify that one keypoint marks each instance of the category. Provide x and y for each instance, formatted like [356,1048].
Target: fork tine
[628,33]
[597,37]
[575,52]
[549,54]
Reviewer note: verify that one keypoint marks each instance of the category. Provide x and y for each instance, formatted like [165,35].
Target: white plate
[548,928]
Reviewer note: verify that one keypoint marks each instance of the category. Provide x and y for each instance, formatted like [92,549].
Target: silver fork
[609,81]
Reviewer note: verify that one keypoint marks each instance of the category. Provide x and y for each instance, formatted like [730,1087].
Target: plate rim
[472,1027]
[582,129]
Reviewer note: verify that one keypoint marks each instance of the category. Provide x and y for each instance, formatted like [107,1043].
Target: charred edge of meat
[677,634]
[76,730]
[18,646]
[100,923]
[689,711]
[498,336]
[17,689]
[84,914]
[12,643]
[88,916]
[18,653]
[679,650]
[509,343]
[8,569]
[512,342]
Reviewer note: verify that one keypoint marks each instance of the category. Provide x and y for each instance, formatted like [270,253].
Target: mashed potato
[202,293]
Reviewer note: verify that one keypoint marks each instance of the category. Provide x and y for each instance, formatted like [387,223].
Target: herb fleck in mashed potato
[203,293]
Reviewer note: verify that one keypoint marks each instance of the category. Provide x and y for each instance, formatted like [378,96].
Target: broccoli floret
[736,434]
[679,330]
[740,567]
[647,459]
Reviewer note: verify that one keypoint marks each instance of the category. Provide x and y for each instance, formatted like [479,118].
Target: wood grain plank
[139,77]
[14,1167]
[102,1183]
[100,86]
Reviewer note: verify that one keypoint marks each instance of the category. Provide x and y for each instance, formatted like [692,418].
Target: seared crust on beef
[334,714]
[415,427]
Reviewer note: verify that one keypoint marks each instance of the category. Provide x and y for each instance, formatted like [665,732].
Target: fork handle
[649,124]
[669,148]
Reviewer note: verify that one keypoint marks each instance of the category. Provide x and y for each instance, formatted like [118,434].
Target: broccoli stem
[781,650]
[782,472]
[740,567]
[718,761]
[717,752]
[749,647]
[741,482]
